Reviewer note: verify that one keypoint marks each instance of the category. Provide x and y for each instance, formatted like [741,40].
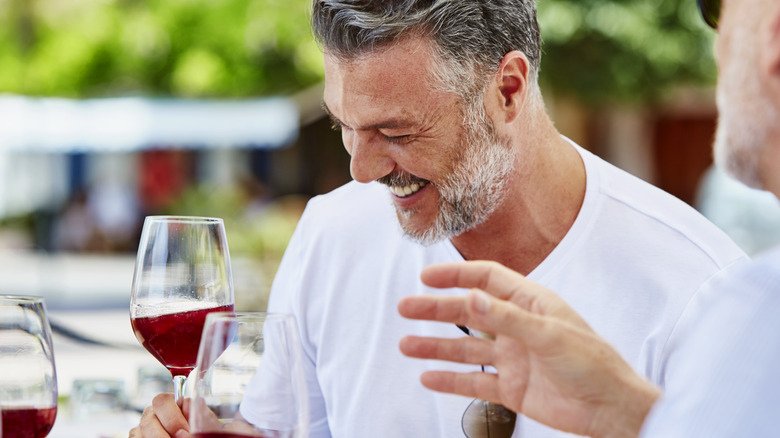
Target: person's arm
[551,366]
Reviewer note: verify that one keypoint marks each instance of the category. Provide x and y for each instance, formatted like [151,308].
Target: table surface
[120,362]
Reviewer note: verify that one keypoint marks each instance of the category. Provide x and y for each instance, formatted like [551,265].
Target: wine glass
[249,381]
[182,273]
[28,378]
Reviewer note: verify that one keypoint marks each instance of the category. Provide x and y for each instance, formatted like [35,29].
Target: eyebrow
[392,123]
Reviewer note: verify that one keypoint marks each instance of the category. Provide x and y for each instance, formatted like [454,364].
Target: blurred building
[79,176]
[86,172]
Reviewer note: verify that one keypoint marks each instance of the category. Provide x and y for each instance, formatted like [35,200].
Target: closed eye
[400,139]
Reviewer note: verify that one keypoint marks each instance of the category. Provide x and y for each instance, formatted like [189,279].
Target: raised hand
[551,366]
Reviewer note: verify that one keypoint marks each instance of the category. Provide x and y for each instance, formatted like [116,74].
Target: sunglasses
[483,419]
[710,11]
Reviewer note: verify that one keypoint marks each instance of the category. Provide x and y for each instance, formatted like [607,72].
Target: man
[552,366]
[440,110]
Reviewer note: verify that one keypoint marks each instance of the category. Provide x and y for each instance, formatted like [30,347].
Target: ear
[770,52]
[512,84]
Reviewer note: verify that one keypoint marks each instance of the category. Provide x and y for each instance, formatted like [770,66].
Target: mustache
[401,179]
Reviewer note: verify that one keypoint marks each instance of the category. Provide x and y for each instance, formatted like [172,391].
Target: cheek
[721,45]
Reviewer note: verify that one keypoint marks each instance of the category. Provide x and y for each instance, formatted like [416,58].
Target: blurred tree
[596,50]
[185,48]
[624,50]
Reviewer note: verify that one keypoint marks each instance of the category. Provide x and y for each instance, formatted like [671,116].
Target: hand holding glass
[249,381]
[182,273]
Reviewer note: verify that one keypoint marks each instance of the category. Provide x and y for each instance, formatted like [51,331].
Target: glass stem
[178,388]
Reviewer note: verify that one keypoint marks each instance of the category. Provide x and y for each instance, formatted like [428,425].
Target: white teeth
[405,191]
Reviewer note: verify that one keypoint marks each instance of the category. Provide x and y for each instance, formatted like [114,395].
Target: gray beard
[738,143]
[746,114]
[472,191]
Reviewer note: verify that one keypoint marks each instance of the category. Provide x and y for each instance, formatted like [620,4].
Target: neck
[541,203]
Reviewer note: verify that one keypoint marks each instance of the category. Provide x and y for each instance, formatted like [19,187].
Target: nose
[369,156]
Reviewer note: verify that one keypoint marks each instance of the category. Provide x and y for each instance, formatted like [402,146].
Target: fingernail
[182,434]
[481,302]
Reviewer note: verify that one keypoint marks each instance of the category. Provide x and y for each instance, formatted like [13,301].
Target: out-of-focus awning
[129,123]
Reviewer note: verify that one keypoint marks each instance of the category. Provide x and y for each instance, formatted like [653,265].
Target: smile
[404,191]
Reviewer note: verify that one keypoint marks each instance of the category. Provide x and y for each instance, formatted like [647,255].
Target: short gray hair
[470,36]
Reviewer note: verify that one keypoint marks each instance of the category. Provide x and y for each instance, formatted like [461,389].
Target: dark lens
[710,12]
[488,420]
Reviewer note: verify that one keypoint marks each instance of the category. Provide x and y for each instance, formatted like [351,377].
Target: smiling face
[443,164]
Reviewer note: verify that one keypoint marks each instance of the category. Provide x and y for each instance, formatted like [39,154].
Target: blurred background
[111,110]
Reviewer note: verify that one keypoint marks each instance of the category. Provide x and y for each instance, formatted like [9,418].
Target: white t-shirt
[630,264]
[727,375]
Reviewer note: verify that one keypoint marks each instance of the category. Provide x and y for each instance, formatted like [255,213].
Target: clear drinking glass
[28,378]
[249,381]
[182,273]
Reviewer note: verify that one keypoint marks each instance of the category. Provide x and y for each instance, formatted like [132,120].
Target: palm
[543,385]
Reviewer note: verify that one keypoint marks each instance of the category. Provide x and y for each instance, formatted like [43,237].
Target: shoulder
[761,275]
[647,210]
[725,371]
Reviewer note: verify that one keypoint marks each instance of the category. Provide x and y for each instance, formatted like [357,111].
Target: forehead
[393,82]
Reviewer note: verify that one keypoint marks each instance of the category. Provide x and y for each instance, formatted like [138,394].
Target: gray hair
[470,36]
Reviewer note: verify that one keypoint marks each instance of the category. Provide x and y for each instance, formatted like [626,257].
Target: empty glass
[249,381]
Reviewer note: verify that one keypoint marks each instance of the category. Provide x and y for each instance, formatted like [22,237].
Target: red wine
[174,338]
[28,422]
[225,434]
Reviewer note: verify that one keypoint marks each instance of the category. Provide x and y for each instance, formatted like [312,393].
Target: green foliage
[596,50]
[624,50]
[254,229]
[188,48]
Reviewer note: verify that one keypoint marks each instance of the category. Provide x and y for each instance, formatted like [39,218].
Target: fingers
[484,386]
[491,277]
[477,310]
[464,350]
[150,427]
[185,409]
[163,419]
[500,282]
[434,308]
[492,315]
[497,280]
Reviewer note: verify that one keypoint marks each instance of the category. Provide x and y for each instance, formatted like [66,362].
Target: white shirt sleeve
[727,382]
